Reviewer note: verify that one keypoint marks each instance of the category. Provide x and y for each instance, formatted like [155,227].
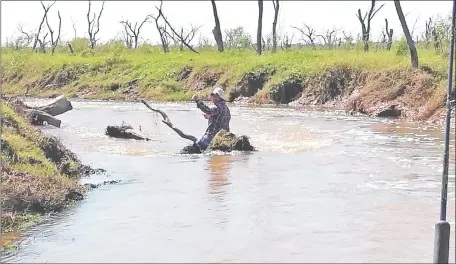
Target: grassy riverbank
[39,175]
[345,78]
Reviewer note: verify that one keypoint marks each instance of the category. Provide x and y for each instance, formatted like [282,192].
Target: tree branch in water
[167,122]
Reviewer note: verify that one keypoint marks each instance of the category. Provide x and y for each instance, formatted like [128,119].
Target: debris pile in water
[223,141]
[123,131]
[227,142]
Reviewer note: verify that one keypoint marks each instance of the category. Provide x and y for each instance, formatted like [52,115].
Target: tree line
[436,33]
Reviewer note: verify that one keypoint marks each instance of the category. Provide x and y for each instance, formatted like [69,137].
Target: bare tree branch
[92,24]
[329,37]
[160,11]
[55,41]
[309,32]
[74,28]
[366,27]
[134,30]
[37,35]
[389,33]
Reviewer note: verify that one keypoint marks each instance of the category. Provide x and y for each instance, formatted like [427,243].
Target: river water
[323,187]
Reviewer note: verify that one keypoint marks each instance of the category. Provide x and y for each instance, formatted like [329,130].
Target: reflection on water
[363,189]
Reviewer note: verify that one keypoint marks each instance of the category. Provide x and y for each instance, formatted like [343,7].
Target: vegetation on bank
[324,67]
[39,175]
[110,71]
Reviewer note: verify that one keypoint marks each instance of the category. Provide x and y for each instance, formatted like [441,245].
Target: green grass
[107,73]
[32,185]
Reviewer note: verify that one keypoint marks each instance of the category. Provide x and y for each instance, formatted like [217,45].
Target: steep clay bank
[39,174]
[414,94]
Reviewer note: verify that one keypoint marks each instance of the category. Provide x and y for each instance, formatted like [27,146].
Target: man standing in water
[218,117]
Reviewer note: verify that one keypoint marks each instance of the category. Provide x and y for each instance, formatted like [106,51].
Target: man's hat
[218,91]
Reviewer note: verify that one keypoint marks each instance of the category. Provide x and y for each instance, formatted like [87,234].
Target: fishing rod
[442,228]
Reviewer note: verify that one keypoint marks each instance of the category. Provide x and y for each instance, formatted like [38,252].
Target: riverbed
[322,187]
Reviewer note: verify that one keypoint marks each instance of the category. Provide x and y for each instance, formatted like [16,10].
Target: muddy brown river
[323,187]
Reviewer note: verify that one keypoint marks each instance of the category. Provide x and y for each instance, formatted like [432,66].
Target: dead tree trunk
[70,48]
[37,35]
[408,37]
[91,25]
[55,41]
[217,31]
[162,30]
[366,25]
[274,25]
[389,33]
[74,29]
[259,48]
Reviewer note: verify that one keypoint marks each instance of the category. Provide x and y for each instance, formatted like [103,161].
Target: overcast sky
[319,14]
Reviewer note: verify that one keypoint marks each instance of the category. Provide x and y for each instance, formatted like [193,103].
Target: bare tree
[74,28]
[274,24]
[389,33]
[92,24]
[427,35]
[204,42]
[329,37]
[37,35]
[24,41]
[348,38]
[267,42]
[309,33]
[42,43]
[54,42]
[161,30]
[133,32]
[408,37]
[180,37]
[127,37]
[186,36]
[259,47]
[286,42]
[366,25]
[217,31]
[412,33]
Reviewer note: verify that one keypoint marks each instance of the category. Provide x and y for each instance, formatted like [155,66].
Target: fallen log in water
[45,113]
[58,106]
[123,131]
[38,117]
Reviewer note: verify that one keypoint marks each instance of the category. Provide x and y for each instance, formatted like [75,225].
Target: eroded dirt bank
[39,174]
[414,94]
